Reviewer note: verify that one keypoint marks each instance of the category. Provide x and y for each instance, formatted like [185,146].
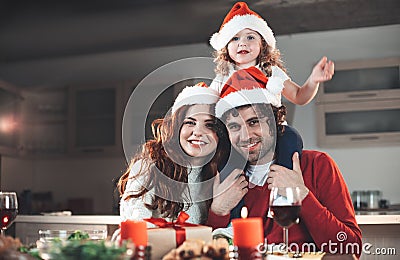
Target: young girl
[166,177]
[245,41]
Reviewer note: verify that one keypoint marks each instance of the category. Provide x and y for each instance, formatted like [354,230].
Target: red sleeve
[327,211]
[216,221]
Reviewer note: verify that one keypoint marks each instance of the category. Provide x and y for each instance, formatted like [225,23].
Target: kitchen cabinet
[95,116]
[360,80]
[380,236]
[68,121]
[360,105]
[83,120]
[10,101]
[43,122]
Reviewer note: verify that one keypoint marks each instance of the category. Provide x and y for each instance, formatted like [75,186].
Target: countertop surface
[377,219]
[74,219]
[115,220]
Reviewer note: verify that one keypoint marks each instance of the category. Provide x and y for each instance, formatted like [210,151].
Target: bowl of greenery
[76,245]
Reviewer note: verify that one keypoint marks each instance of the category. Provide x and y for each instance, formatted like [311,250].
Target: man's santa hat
[199,94]
[241,17]
[246,87]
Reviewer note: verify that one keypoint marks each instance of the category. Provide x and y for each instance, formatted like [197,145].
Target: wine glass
[285,205]
[8,209]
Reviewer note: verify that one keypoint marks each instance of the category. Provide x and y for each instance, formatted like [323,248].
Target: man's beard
[266,150]
[263,153]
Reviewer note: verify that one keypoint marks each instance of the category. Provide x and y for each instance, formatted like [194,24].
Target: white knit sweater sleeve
[134,208]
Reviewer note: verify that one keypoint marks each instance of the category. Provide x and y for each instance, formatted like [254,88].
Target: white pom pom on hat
[275,85]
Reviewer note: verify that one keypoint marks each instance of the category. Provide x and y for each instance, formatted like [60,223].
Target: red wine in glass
[285,204]
[8,209]
[7,217]
[285,216]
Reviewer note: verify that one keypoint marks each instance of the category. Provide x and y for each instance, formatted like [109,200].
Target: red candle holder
[135,231]
[247,232]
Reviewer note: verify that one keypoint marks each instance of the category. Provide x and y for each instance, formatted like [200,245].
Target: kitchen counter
[78,219]
[115,220]
[377,219]
[27,226]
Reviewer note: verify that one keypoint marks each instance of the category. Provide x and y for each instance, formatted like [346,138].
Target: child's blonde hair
[266,59]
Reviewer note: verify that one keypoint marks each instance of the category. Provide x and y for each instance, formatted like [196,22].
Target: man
[327,211]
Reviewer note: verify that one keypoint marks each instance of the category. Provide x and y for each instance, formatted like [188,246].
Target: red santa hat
[246,87]
[241,17]
[199,94]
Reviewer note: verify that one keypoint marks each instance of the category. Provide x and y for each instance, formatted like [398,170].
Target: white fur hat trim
[246,97]
[239,22]
[195,95]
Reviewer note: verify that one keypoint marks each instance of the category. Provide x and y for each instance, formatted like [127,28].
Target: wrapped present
[170,235]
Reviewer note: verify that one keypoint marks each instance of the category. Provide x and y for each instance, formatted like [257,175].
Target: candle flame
[244,212]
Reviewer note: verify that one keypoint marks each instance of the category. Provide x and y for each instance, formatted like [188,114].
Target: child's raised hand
[323,71]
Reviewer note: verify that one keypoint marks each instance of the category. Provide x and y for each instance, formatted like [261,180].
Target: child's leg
[286,145]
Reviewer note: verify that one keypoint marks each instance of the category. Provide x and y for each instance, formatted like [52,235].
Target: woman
[174,171]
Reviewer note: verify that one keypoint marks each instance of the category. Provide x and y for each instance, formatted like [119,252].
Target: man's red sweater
[326,212]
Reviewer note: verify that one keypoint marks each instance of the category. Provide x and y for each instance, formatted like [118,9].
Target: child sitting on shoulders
[246,42]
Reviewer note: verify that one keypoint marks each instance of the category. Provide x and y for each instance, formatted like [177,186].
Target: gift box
[170,235]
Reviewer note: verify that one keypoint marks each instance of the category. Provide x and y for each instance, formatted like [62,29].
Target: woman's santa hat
[241,17]
[246,87]
[199,94]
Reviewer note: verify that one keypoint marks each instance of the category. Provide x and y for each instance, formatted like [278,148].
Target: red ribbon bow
[178,225]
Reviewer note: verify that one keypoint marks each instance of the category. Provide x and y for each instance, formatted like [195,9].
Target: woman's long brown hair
[158,153]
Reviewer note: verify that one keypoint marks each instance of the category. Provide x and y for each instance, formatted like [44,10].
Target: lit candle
[134,230]
[247,232]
